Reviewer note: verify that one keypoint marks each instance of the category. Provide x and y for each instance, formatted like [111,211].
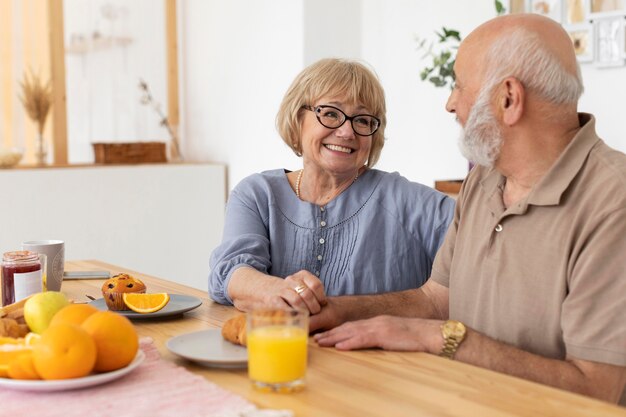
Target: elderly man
[531,279]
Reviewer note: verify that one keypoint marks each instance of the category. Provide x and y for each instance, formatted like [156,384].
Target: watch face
[453,327]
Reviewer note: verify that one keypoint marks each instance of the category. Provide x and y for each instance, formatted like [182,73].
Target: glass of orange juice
[277,349]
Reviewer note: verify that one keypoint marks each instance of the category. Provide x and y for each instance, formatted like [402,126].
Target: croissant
[234,330]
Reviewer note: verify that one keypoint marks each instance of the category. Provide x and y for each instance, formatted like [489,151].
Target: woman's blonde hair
[332,77]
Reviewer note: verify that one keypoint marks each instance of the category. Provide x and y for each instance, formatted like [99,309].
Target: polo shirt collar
[550,188]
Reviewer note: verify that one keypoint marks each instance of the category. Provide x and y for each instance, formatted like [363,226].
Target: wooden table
[361,383]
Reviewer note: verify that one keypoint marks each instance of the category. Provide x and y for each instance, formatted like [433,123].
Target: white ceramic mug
[55,251]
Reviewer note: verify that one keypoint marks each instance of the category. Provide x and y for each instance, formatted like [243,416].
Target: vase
[175,154]
[40,150]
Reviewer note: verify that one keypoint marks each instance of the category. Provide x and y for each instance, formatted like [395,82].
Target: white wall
[239,57]
[138,217]
[111,44]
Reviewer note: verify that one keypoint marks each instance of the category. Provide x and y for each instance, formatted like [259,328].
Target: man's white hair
[522,54]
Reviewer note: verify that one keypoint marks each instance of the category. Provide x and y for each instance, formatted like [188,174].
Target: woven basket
[129,153]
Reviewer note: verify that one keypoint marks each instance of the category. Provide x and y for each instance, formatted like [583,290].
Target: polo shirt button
[322,223]
[499,228]
[322,241]
[322,209]
[319,257]
[317,273]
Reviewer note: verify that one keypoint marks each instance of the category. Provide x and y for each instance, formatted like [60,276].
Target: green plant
[441,71]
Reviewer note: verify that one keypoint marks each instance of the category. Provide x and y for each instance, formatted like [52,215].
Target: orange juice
[277,354]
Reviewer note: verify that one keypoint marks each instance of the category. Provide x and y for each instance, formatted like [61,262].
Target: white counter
[161,219]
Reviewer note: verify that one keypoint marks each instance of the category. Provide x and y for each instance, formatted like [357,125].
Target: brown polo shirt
[548,274]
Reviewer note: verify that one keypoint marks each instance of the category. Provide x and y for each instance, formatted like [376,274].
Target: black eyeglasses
[333,118]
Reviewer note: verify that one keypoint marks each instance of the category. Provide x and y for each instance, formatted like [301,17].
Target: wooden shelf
[450,187]
[84,46]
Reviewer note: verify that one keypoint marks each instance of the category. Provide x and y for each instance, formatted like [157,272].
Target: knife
[86,275]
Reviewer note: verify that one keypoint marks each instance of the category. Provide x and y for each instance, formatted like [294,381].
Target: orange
[146,303]
[115,337]
[11,350]
[23,367]
[64,351]
[73,314]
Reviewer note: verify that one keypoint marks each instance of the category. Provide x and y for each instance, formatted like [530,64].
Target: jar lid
[20,256]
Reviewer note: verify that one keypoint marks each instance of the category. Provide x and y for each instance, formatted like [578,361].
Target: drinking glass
[277,349]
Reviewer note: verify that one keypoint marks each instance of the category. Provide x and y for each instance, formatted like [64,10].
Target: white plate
[178,304]
[74,383]
[209,348]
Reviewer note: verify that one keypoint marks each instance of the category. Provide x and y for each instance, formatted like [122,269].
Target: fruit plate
[74,383]
[208,348]
[178,304]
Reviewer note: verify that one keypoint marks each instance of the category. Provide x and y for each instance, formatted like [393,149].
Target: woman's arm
[240,264]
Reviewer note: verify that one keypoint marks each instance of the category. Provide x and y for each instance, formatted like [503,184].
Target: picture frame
[574,12]
[624,48]
[518,6]
[582,36]
[605,8]
[609,41]
[548,8]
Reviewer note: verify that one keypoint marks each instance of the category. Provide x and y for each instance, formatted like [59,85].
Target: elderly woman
[336,226]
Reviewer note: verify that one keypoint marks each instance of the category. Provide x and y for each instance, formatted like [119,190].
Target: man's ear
[511,101]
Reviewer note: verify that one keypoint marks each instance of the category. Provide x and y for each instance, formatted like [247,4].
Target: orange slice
[146,303]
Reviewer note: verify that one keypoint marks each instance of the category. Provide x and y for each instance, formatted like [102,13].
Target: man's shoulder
[609,162]
[606,172]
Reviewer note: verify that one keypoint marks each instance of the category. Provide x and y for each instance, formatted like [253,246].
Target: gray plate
[208,348]
[178,304]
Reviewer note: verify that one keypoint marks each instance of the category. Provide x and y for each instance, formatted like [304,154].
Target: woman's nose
[346,130]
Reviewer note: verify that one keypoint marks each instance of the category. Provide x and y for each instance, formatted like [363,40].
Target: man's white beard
[481,139]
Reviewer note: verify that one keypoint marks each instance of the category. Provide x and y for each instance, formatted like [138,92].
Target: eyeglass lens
[332,118]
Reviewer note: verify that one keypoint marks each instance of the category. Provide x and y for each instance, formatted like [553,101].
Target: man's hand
[386,332]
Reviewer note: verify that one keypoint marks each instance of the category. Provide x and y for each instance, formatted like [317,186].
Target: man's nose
[451,103]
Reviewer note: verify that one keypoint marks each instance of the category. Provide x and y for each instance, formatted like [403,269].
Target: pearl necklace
[300,178]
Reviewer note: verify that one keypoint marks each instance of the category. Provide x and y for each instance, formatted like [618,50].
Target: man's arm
[428,301]
[594,379]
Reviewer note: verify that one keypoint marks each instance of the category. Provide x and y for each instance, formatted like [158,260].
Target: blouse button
[322,223]
[319,257]
[499,228]
[322,209]
[322,241]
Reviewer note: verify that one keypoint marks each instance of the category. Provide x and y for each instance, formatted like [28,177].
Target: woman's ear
[511,101]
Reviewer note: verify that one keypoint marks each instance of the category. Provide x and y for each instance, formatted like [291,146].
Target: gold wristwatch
[453,334]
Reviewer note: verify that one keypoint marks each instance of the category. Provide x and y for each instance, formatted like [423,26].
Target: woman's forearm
[249,288]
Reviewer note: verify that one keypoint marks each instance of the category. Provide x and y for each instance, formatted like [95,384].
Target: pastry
[234,330]
[114,288]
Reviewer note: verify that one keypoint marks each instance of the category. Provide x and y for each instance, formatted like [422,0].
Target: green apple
[41,307]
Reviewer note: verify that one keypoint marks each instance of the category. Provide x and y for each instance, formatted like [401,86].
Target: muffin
[114,288]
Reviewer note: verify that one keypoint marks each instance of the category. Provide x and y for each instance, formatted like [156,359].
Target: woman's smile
[338,148]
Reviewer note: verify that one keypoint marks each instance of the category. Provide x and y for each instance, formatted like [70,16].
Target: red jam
[18,262]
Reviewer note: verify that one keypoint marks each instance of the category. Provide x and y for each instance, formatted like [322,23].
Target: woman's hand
[250,289]
[304,291]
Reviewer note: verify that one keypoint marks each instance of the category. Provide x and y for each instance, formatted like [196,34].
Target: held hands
[303,291]
[386,332]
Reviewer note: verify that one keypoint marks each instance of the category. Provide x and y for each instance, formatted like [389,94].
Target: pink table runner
[157,388]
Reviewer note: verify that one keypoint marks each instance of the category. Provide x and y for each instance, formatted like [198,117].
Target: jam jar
[21,275]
